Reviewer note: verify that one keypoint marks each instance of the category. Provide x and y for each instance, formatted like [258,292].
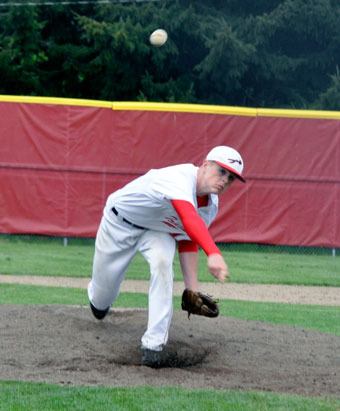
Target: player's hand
[217,267]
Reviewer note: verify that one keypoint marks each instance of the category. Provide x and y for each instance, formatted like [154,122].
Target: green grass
[45,256]
[247,263]
[263,268]
[319,318]
[47,397]
[23,396]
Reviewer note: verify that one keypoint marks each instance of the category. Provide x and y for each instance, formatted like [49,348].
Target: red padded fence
[59,162]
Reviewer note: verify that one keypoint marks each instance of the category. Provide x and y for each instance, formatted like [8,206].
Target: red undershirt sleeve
[187,246]
[194,226]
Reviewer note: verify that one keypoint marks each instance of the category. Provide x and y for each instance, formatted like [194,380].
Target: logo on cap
[232,161]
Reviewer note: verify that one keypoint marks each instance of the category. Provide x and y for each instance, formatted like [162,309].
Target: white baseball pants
[117,242]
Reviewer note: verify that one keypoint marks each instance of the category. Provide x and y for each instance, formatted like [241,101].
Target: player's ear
[206,163]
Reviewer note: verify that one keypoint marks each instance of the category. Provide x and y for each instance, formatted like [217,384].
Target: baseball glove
[199,304]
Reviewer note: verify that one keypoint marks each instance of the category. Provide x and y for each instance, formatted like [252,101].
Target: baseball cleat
[159,359]
[99,314]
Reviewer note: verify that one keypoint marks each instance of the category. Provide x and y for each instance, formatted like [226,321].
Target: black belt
[127,221]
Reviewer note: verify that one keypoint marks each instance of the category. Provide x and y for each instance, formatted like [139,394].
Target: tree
[297,46]
[281,53]
[123,65]
[21,52]
[330,98]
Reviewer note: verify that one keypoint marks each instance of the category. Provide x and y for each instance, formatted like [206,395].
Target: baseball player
[151,214]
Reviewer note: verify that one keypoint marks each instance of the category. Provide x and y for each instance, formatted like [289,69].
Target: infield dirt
[66,345]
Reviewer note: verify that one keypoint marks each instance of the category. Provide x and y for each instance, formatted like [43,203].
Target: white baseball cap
[228,158]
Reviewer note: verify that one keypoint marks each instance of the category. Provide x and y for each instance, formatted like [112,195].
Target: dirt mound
[66,345]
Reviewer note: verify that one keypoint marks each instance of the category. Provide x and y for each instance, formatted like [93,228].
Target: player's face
[214,179]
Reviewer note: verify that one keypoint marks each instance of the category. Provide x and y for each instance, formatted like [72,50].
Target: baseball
[158,37]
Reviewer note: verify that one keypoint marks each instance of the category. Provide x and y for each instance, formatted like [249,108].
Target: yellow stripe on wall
[185,108]
[176,107]
[316,114]
[56,101]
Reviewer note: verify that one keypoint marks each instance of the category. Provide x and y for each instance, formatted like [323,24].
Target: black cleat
[99,314]
[159,359]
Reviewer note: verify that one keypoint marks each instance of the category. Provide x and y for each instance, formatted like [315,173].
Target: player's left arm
[188,258]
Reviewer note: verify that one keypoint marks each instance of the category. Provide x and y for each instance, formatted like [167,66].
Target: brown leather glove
[200,304]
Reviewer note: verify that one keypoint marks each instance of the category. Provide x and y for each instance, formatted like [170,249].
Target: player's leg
[115,247]
[159,251]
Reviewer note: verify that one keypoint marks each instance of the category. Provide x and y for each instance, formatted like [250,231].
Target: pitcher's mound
[66,345]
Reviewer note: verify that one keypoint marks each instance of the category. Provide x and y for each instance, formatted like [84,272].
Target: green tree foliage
[21,52]
[297,47]
[330,99]
[278,53]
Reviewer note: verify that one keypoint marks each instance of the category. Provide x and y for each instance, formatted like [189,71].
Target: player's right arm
[218,267]
[196,229]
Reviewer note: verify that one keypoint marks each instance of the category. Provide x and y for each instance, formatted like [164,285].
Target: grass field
[267,265]
[47,397]
[44,256]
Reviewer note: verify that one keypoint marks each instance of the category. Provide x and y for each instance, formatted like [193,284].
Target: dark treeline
[264,53]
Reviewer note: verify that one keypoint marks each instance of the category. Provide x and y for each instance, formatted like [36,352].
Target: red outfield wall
[59,161]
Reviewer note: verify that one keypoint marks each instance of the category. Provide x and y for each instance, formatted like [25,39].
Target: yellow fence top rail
[55,101]
[185,108]
[175,107]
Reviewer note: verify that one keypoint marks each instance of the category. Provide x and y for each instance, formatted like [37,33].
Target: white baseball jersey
[146,201]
